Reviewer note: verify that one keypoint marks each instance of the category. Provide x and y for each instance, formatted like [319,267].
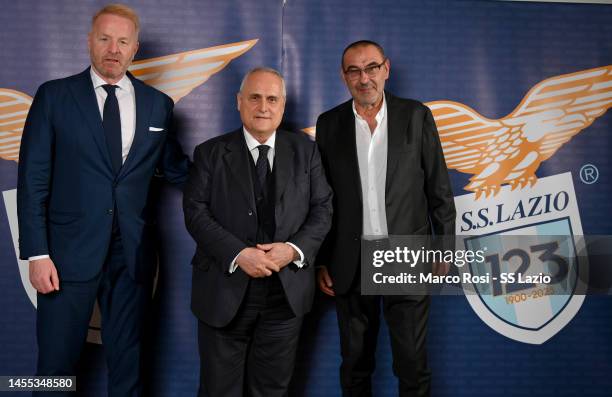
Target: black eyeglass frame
[353,73]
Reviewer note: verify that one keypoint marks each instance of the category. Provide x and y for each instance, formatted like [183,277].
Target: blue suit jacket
[67,191]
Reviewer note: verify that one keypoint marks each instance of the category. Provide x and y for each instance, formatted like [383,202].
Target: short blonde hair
[120,10]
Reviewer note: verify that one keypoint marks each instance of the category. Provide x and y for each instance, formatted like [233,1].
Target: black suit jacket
[417,193]
[221,216]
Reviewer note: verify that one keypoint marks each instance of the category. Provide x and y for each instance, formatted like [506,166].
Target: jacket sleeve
[34,176]
[199,220]
[174,164]
[440,199]
[324,254]
[316,226]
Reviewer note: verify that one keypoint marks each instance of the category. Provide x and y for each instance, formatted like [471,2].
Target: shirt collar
[124,83]
[252,143]
[379,116]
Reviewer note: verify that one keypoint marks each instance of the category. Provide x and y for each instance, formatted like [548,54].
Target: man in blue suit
[91,145]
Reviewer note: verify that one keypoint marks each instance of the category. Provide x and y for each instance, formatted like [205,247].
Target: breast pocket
[301,186]
[407,164]
[157,135]
[409,152]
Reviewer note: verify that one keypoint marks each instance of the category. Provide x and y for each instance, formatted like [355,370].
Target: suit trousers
[254,355]
[63,321]
[359,322]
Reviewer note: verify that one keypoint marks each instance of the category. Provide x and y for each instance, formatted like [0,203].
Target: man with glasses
[384,162]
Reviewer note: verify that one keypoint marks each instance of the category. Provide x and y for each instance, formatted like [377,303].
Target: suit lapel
[283,164]
[143,113]
[397,125]
[238,160]
[347,142]
[85,96]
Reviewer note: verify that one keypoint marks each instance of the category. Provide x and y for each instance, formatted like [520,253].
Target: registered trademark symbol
[589,174]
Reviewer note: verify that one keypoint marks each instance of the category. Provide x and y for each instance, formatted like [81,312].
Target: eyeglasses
[354,73]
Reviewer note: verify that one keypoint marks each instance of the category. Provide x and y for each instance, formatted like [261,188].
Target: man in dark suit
[384,162]
[258,206]
[90,147]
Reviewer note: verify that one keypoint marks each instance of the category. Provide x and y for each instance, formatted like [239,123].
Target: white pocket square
[155,129]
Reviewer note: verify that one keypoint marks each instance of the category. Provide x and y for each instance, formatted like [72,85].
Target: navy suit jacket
[67,192]
[221,216]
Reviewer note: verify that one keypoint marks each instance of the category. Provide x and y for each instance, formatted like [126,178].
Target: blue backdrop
[484,54]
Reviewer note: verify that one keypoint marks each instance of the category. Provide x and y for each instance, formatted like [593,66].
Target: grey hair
[266,70]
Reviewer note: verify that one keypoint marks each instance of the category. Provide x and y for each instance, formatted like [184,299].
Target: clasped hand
[262,260]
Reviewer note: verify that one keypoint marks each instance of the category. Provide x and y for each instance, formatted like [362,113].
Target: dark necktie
[111,120]
[262,166]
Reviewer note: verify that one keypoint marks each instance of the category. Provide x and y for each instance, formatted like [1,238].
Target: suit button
[250,213]
[110,212]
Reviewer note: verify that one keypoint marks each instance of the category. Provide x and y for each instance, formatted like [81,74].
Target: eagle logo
[508,151]
[176,75]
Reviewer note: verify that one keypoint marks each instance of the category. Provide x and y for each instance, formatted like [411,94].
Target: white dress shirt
[372,157]
[127,112]
[127,108]
[252,144]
